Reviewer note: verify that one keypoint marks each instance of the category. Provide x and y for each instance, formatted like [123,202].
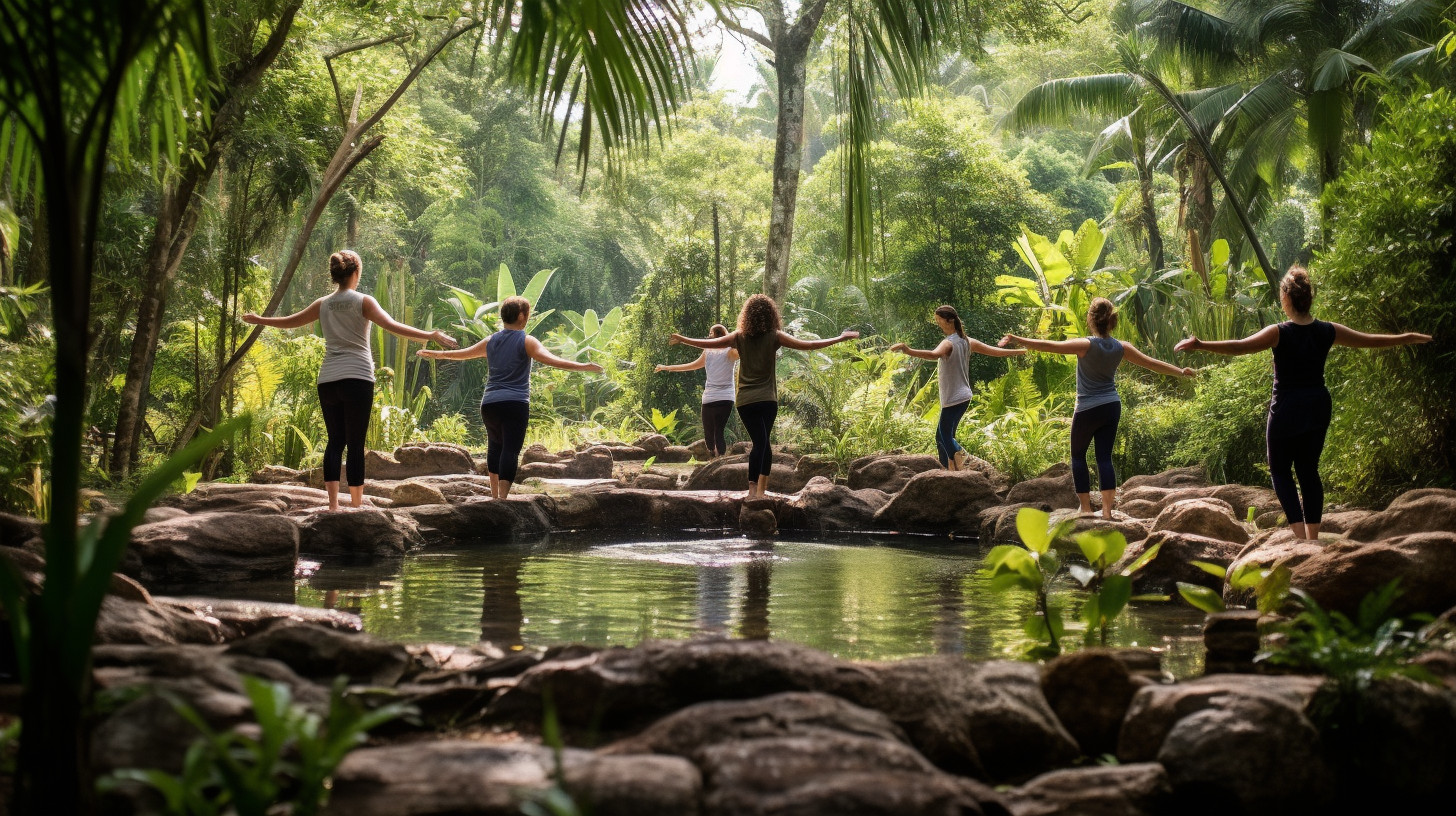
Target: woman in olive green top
[757,340]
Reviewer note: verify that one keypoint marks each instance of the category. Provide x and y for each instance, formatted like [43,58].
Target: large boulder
[1397,745]
[653,443]
[1090,691]
[413,493]
[1138,789]
[363,532]
[472,778]
[1210,518]
[1344,572]
[537,452]
[1193,476]
[19,531]
[829,507]
[1427,510]
[480,519]
[418,459]
[940,501]
[998,523]
[322,653]
[730,473]
[1156,708]
[1055,491]
[889,473]
[237,618]
[212,548]
[1173,564]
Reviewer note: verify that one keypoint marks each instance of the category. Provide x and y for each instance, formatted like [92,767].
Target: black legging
[1097,425]
[346,405]
[1294,437]
[505,433]
[715,419]
[758,419]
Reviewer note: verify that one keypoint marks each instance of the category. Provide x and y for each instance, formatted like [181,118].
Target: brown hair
[1101,316]
[949,313]
[1297,287]
[718,330]
[760,315]
[513,307]
[342,264]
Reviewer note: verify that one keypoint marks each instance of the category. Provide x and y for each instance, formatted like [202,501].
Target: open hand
[1416,337]
[252,319]
[1006,341]
[444,339]
[899,347]
[1189,343]
[849,335]
[674,339]
[593,368]
[659,367]
[1190,372]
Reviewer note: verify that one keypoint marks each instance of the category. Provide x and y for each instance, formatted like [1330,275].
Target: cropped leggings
[758,418]
[1098,426]
[1295,444]
[715,420]
[346,406]
[505,433]
[945,431]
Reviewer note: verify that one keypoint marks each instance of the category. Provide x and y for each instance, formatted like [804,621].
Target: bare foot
[960,460]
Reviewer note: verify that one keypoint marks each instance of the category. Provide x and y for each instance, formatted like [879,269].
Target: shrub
[1224,427]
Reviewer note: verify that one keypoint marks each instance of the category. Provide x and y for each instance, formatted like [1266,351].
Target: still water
[868,598]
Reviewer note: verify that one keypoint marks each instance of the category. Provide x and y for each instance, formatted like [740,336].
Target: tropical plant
[289,763]
[1270,586]
[479,318]
[1061,274]
[1107,595]
[1031,569]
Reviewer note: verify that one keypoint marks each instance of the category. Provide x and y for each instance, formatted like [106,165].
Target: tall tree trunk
[177,216]
[717,268]
[1150,222]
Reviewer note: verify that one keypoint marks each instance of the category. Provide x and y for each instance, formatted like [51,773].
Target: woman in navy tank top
[1299,413]
[505,408]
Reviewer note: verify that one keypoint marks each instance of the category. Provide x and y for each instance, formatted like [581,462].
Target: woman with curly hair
[346,378]
[1299,413]
[718,391]
[1099,408]
[952,358]
[757,340]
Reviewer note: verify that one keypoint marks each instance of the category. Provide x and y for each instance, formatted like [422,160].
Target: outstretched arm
[925,354]
[376,314]
[693,366]
[977,347]
[468,353]
[1346,336]
[1077,346]
[309,314]
[1265,338]
[725,341]
[789,341]
[1137,358]
[543,355]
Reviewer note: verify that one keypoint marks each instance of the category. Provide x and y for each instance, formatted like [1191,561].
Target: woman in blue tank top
[505,408]
[1099,409]
[1299,413]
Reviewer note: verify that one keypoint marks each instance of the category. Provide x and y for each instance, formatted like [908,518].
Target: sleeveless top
[757,379]
[954,371]
[346,338]
[1095,371]
[1301,401]
[720,369]
[509,379]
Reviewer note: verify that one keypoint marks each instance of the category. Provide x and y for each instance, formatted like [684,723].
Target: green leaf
[1247,575]
[505,285]
[1201,597]
[1216,570]
[1273,590]
[537,286]
[1142,560]
[1031,525]
[1116,592]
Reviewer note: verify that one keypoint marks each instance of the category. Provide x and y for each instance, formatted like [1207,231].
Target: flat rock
[241,617]
[829,507]
[322,653]
[209,547]
[939,501]
[1137,789]
[730,473]
[363,532]
[1427,510]
[480,519]
[631,508]
[144,621]
[1193,476]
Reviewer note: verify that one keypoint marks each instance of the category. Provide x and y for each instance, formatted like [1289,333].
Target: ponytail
[949,313]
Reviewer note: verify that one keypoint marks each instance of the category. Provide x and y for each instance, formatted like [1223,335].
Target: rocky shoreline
[756,727]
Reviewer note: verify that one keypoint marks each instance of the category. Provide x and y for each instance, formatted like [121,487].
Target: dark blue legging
[758,419]
[1301,453]
[1097,425]
[505,433]
[945,430]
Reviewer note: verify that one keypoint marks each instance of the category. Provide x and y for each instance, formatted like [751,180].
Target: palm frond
[1194,36]
[1057,101]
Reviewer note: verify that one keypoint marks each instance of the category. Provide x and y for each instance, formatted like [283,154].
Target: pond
[859,598]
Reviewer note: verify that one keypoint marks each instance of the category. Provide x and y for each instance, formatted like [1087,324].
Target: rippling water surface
[858,598]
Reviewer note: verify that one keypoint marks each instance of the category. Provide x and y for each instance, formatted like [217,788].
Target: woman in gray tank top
[1099,408]
[719,390]
[952,357]
[346,378]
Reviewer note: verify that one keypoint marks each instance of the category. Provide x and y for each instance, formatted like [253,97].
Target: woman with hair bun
[346,378]
[718,390]
[1099,408]
[757,341]
[1299,412]
[505,407]
[952,358]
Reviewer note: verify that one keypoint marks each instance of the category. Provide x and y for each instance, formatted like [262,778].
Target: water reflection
[868,599]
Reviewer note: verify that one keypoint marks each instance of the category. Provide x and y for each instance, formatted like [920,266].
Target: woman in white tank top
[346,378]
[718,390]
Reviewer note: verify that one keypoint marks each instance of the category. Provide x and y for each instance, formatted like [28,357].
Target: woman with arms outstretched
[757,340]
[718,390]
[1099,408]
[505,408]
[346,378]
[953,365]
[1299,412]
